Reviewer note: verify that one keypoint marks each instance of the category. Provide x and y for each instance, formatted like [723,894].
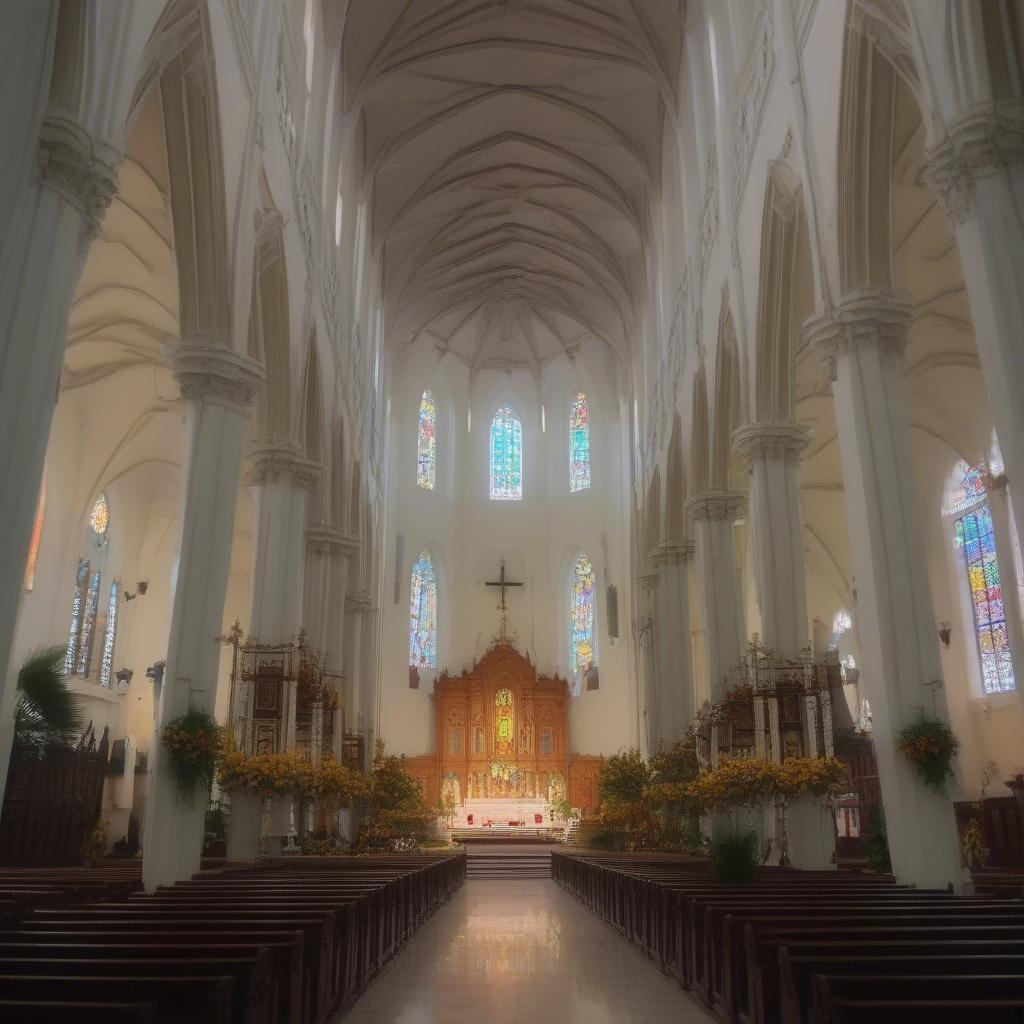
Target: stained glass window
[99,516]
[581,613]
[37,536]
[974,535]
[85,636]
[506,456]
[77,606]
[109,634]
[579,444]
[426,442]
[971,486]
[423,613]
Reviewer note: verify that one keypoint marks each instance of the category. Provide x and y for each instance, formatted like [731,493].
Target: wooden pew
[183,998]
[921,1000]
[797,972]
[50,1012]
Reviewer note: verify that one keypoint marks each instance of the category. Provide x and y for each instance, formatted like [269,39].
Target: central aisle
[510,952]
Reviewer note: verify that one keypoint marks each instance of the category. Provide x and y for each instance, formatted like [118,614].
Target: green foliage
[48,714]
[677,764]
[736,856]
[94,846]
[622,777]
[194,744]
[931,746]
[395,816]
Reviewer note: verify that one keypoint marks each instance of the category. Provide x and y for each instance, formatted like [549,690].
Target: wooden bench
[182,998]
[26,1011]
[956,999]
[797,972]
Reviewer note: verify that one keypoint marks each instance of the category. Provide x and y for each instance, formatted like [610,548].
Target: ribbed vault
[511,150]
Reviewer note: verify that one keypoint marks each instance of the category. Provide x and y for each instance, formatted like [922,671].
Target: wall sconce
[945,633]
[140,591]
[124,678]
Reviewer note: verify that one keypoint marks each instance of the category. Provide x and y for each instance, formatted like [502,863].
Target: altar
[502,744]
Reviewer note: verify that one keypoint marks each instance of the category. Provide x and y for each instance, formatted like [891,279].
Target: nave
[512,952]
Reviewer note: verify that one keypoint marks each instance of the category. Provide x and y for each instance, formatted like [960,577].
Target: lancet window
[506,456]
[423,613]
[579,444]
[581,613]
[975,539]
[426,442]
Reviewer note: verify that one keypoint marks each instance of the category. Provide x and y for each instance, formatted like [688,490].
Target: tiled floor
[521,953]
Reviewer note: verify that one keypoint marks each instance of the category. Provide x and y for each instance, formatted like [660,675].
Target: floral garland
[289,773]
[739,782]
[194,744]
[930,745]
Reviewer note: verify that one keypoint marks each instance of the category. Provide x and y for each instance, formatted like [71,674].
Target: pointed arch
[727,400]
[699,442]
[782,222]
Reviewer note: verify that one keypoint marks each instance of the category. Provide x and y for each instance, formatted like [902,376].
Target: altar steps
[519,864]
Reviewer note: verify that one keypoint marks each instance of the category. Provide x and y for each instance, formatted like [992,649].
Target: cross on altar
[503,583]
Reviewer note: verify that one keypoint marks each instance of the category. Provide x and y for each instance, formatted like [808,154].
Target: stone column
[356,606]
[713,514]
[646,655]
[861,343]
[977,172]
[772,451]
[281,481]
[672,629]
[49,239]
[218,387]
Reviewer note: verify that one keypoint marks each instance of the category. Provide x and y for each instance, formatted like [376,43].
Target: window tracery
[581,613]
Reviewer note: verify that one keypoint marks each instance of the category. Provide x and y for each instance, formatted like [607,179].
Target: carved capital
[646,580]
[672,552]
[359,602]
[79,167]
[325,540]
[271,461]
[716,505]
[775,440]
[982,139]
[214,374]
[873,317]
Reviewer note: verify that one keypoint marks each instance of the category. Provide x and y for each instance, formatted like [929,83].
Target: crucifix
[503,583]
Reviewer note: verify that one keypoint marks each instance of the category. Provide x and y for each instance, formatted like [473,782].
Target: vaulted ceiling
[511,150]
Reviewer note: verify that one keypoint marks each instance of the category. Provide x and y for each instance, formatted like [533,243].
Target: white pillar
[356,715]
[862,343]
[49,239]
[772,451]
[218,387]
[977,172]
[672,630]
[281,481]
[645,642]
[714,514]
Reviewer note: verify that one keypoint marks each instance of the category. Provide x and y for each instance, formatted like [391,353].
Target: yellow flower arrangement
[194,744]
[290,772]
[740,782]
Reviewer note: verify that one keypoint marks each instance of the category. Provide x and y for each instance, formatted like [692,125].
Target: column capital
[779,439]
[647,580]
[269,460]
[325,540]
[981,139]
[80,167]
[214,373]
[359,602]
[869,317]
[716,505]
[673,552]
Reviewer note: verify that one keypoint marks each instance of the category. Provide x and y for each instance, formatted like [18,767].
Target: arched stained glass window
[37,536]
[581,613]
[109,634]
[579,444]
[426,442]
[506,456]
[975,537]
[423,613]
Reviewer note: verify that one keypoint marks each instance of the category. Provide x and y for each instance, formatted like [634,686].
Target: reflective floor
[511,952]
